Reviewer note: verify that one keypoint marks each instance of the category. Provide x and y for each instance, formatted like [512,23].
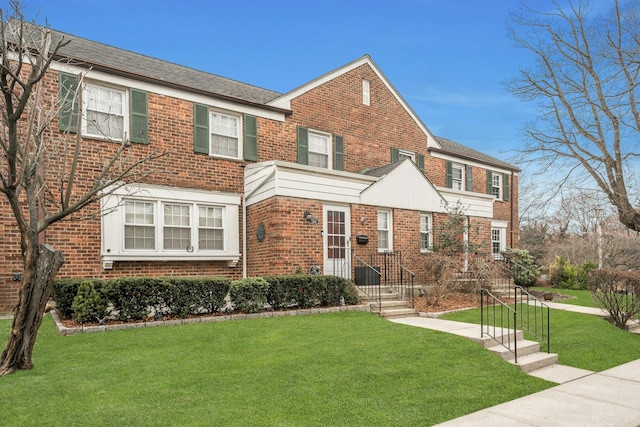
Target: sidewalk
[585,398]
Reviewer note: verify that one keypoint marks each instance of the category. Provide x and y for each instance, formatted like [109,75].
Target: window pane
[139,230]
[224,135]
[177,227]
[318,150]
[104,111]
[210,231]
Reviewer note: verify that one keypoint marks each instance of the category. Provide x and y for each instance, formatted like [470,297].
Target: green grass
[582,298]
[342,369]
[581,340]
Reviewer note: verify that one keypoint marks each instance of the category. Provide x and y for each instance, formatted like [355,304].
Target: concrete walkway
[583,398]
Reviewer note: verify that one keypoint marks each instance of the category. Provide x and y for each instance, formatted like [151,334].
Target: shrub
[192,295]
[523,267]
[88,305]
[249,295]
[563,274]
[305,290]
[616,292]
[63,293]
[132,297]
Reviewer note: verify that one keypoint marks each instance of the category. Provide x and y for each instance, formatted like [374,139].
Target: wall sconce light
[310,219]
[363,220]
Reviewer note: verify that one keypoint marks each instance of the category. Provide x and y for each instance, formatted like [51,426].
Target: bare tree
[39,170]
[585,82]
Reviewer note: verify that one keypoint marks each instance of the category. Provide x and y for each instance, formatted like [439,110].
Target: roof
[88,53]
[83,52]
[383,170]
[451,147]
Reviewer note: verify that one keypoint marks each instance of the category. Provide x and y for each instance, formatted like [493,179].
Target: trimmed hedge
[136,298]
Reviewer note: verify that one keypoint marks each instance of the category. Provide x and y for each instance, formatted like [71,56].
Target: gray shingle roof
[85,52]
[456,149]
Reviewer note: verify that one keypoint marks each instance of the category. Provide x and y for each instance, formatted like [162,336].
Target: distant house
[258,182]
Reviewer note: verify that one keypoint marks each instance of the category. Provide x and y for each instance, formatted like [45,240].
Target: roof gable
[403,186]
[284,101]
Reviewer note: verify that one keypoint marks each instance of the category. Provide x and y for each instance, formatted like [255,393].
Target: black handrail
[368,279]
[494,312]
[534,315]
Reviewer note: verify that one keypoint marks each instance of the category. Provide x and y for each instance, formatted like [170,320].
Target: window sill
[109,259]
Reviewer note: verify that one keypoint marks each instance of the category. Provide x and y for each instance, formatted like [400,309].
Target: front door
[337,241]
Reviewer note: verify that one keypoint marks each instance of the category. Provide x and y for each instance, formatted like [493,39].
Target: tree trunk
[35,289]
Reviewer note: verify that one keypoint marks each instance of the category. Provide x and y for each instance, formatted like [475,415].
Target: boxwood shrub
[136,298]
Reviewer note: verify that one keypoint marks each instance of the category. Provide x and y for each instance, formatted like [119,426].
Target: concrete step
[535,361]
[525,347]
[634,327]
[503,335]
[388,305]
[398,313]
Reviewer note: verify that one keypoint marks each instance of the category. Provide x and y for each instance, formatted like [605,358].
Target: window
[425,232]
[457,176]
[404,154]
[177,227]
[496,185]
[210,228]
[104,112]
[139,226]
[496,243]
[366,93]
[147,223]
[384,231]
[319,148]
[225,131]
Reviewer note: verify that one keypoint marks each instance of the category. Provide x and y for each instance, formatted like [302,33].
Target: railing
[384,270]
[367,279]
[528,312]
[533,315]
[496,318]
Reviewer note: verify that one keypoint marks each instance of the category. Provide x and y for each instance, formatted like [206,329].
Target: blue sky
[447,58]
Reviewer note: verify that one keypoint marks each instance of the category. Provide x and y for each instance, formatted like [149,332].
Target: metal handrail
[365,288]
[535,315]
[493,311]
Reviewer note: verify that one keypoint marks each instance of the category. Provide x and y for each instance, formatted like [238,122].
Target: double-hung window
[210,228]
[104,112]
[319,149]
[139,225]
[426,242]
[496,243]
[225,134]
[384,231]
[177,226]
[496,185]
[457,176]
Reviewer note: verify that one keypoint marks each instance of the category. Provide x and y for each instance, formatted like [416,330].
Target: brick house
[256,182]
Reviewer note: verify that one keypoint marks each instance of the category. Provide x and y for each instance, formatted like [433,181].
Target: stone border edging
[64,331]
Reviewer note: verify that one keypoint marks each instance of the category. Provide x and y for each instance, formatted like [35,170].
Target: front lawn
[581,340]
[582,298]
[347,369]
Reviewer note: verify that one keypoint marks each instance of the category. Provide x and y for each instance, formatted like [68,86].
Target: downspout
[244,218]
[511,231]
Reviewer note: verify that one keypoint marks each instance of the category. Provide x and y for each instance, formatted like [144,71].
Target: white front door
[337,241]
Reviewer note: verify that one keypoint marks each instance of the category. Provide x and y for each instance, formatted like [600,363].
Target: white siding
[475,204]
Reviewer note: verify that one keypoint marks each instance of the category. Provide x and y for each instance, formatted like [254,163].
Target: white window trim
[125,111]
[402,154]
[240,132]
[113,224]
[500,186]
[389,230]
[429,231]
[366,92]
[502,227]
[462,176]
[329,146]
